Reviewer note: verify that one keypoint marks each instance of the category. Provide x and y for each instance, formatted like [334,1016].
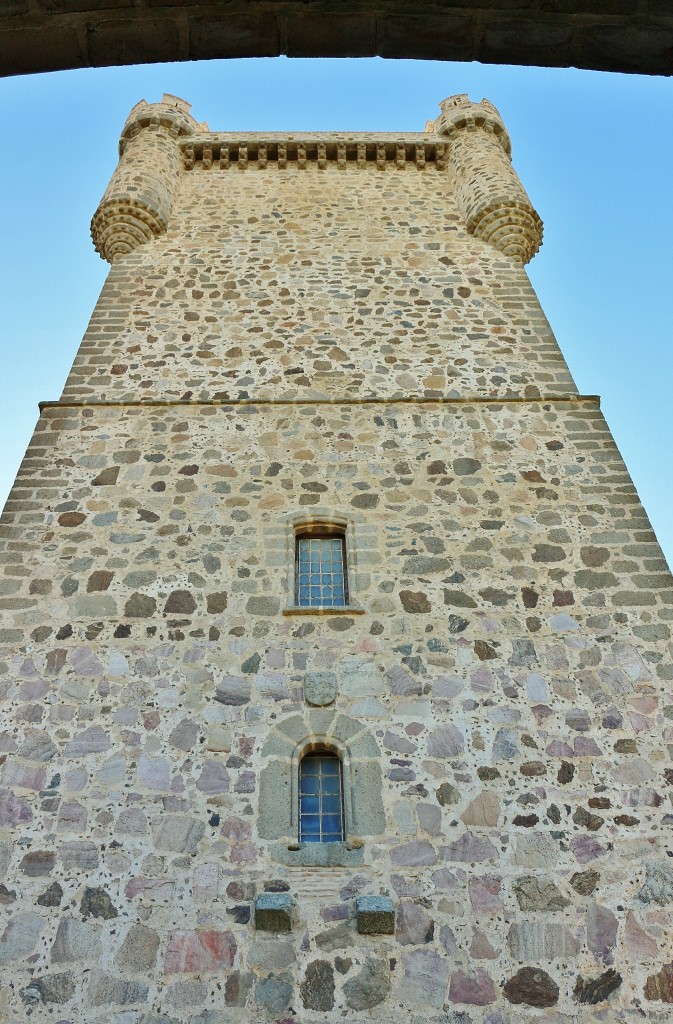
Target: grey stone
[178,833]
[263,605]
[369,987]
[584,882]
[274,818]
[140,606]
[273,912]
[375,915]
[417,853]
[465,466]
[414,926]
[541,940]
[233,690]
[37,746]
[237,987]
[97,903]
[274,994]
[37,863]
[658,885]
[447,795]
[505,745]
[79,855]
[105,989]
[539,893]
[50,988]
[369,817]
[184,735]
[320,688]
[51,897]
[20,936]
[271,952]
[317,988]
[426,976]
[339,937]
[93,606]
[446,741]
[74,942]
[138,951]
[91,741]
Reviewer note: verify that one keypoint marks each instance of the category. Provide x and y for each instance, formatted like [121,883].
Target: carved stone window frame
[325,522]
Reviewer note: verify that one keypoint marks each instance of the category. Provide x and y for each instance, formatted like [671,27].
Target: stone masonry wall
[502,673]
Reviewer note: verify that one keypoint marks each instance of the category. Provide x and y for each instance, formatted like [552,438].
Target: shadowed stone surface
[375,915]
[273,912]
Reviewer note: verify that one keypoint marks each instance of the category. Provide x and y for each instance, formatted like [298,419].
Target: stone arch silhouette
[52,37]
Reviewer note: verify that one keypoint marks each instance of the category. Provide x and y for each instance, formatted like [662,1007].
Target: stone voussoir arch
[359,753]
[604,36]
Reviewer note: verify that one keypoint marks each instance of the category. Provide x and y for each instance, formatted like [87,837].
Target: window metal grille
[321,571]
[321,814]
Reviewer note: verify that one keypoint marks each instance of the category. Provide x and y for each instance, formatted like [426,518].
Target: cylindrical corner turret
[493,200]
[137,203]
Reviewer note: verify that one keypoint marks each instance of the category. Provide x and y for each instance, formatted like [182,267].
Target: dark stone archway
[606,35]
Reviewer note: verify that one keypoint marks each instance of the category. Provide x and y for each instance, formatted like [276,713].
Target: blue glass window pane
[331,823]
[320,801]
[320,567]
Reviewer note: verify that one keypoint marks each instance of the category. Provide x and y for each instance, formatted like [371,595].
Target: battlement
[467,142]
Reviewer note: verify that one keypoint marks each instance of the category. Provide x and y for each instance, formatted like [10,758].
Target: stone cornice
[225,150]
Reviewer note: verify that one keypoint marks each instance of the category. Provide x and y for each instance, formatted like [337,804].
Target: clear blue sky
[593,150]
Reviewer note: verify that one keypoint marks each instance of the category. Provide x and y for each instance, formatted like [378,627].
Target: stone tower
[335,648]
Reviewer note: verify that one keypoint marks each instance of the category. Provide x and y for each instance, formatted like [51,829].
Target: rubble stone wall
[499,682]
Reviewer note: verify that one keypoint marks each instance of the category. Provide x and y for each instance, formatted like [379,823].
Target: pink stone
[584,746]
[557,748]
[154,772]
[14,810]
[601,932]
[14,774]
[199,951]
[205,882]
[90,741]
[214,778]
[585,849]
[34,690]
[470,849]
[639,942]
[243,853]
[475,989]
[481,948]
[236,829]
[71,816]
[158,888]
[485,894]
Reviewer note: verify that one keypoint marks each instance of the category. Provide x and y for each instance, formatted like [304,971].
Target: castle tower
[335,642]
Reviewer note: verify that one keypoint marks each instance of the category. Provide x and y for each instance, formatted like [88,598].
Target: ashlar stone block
[375,915]
[273,912]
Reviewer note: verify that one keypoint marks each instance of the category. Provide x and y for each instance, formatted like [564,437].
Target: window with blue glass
[320,570]
[321,809]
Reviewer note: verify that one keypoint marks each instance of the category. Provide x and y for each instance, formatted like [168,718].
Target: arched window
[321,576]
[321,804]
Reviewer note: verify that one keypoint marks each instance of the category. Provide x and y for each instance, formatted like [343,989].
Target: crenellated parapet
[493,200]
[137,203]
